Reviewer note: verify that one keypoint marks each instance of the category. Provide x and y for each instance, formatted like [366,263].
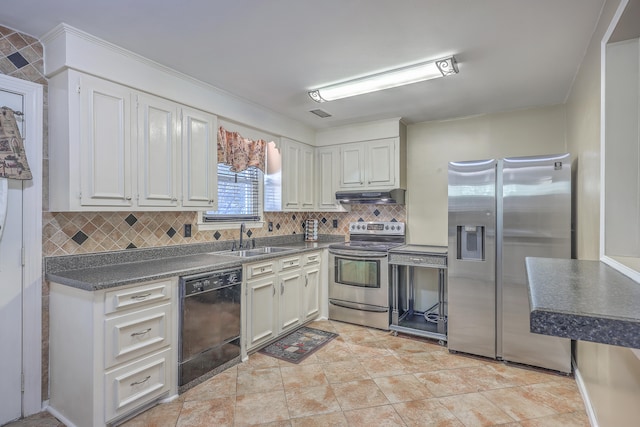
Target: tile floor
[367,377]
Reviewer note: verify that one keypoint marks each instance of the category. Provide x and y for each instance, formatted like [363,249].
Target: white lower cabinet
[112,352]
[282,294]
[311,275]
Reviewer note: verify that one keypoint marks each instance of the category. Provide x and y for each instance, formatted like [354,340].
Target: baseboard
[59,416]
[591,414]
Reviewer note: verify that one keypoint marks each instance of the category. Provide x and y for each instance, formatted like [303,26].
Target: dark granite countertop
[92,272]
[583,300]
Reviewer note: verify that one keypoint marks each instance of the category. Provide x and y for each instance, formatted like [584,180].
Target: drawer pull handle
[141,381]
[141,297]
[135,334]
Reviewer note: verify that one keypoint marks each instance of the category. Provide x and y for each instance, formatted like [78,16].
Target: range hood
[390,197]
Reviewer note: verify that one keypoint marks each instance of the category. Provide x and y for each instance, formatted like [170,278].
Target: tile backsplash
[70,233]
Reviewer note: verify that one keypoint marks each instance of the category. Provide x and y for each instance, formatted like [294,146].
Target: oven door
[359,277]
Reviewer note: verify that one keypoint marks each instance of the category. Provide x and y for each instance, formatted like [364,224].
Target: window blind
[238,196]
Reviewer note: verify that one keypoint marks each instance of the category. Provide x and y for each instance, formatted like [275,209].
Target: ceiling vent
[320,113]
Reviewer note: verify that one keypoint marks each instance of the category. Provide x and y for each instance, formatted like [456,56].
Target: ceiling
[511,54]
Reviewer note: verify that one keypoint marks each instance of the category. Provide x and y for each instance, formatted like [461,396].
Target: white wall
[611,374]
[431,145]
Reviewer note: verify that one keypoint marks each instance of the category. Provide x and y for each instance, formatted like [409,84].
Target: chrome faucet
[242,227]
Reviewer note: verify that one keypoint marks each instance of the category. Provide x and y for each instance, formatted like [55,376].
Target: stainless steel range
[359,273]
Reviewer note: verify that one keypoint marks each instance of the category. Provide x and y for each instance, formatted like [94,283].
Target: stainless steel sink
[255,251]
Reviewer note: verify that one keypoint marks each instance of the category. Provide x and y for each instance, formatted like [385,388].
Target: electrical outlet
[187,230]
[335,223]
[270,226]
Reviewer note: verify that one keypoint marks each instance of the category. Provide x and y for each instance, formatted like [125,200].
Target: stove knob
[393,227]
[386,227]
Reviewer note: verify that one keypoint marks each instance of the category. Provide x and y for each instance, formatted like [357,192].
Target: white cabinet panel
[157,144]
[261,310]
[199,159]
[291,175]
[371,165]
[328,179]
[310,293]
[134,385]
[306,176]
[105,143]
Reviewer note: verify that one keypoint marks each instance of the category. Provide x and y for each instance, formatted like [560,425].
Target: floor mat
[299,344]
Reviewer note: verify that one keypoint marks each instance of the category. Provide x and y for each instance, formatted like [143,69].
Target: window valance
[240,153]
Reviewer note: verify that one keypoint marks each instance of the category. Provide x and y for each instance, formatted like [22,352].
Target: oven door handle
[357,254]
[356,306]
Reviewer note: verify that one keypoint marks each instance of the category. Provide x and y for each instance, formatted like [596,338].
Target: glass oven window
[358,272]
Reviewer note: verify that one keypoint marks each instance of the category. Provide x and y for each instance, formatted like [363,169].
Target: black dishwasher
[209,323]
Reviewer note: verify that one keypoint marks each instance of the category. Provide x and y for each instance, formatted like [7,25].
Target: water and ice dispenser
[470,242]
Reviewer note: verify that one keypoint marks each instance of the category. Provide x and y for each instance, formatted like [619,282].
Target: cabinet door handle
[306,280]
[127,198]
[135,334]
[281,288]
[141,297]
[141,381]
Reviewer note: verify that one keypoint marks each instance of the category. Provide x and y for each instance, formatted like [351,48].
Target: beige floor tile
[369,377]
[345,371]
[518,403]
[379,416]
[258,360]
[307,401]
[324,325]
[560,395]
[223,384]
[574,419]
[260,408]
[419,362]
[214,412]
[485,377]
[446,382]
[427,412]
[334,351]
[259,380]
[359,394]
[475,410]
[335,419]
[383,366]
[303,376]
[402,345]
[403,388]
[452,361]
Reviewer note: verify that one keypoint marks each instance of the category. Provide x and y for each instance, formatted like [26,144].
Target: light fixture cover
[386,80]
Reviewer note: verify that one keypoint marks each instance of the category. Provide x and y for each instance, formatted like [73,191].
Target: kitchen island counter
[583,300]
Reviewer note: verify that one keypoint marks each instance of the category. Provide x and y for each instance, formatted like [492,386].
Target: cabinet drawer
[122,299]
[136,384]
[290,263]
[260,269]
[312,258]
[419,260]
[135,334]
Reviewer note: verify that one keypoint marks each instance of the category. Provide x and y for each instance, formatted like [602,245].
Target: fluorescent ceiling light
[392,78]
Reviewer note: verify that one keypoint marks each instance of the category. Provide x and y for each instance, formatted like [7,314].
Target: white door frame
[32,241]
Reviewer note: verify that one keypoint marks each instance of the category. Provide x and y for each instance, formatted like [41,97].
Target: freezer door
[536,222]
[471,257]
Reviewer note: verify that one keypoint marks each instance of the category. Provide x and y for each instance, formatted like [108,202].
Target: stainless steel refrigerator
[501,211]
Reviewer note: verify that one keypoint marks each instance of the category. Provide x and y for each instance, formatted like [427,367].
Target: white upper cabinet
[199,159]
[104,142]
[292,183]
[114,148]
[328,177]
[371,165]
[157,146]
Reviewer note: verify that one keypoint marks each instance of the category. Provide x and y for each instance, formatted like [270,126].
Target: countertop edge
[94,276]
[568,299]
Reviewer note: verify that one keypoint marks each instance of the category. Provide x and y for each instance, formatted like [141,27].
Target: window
[238,196]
